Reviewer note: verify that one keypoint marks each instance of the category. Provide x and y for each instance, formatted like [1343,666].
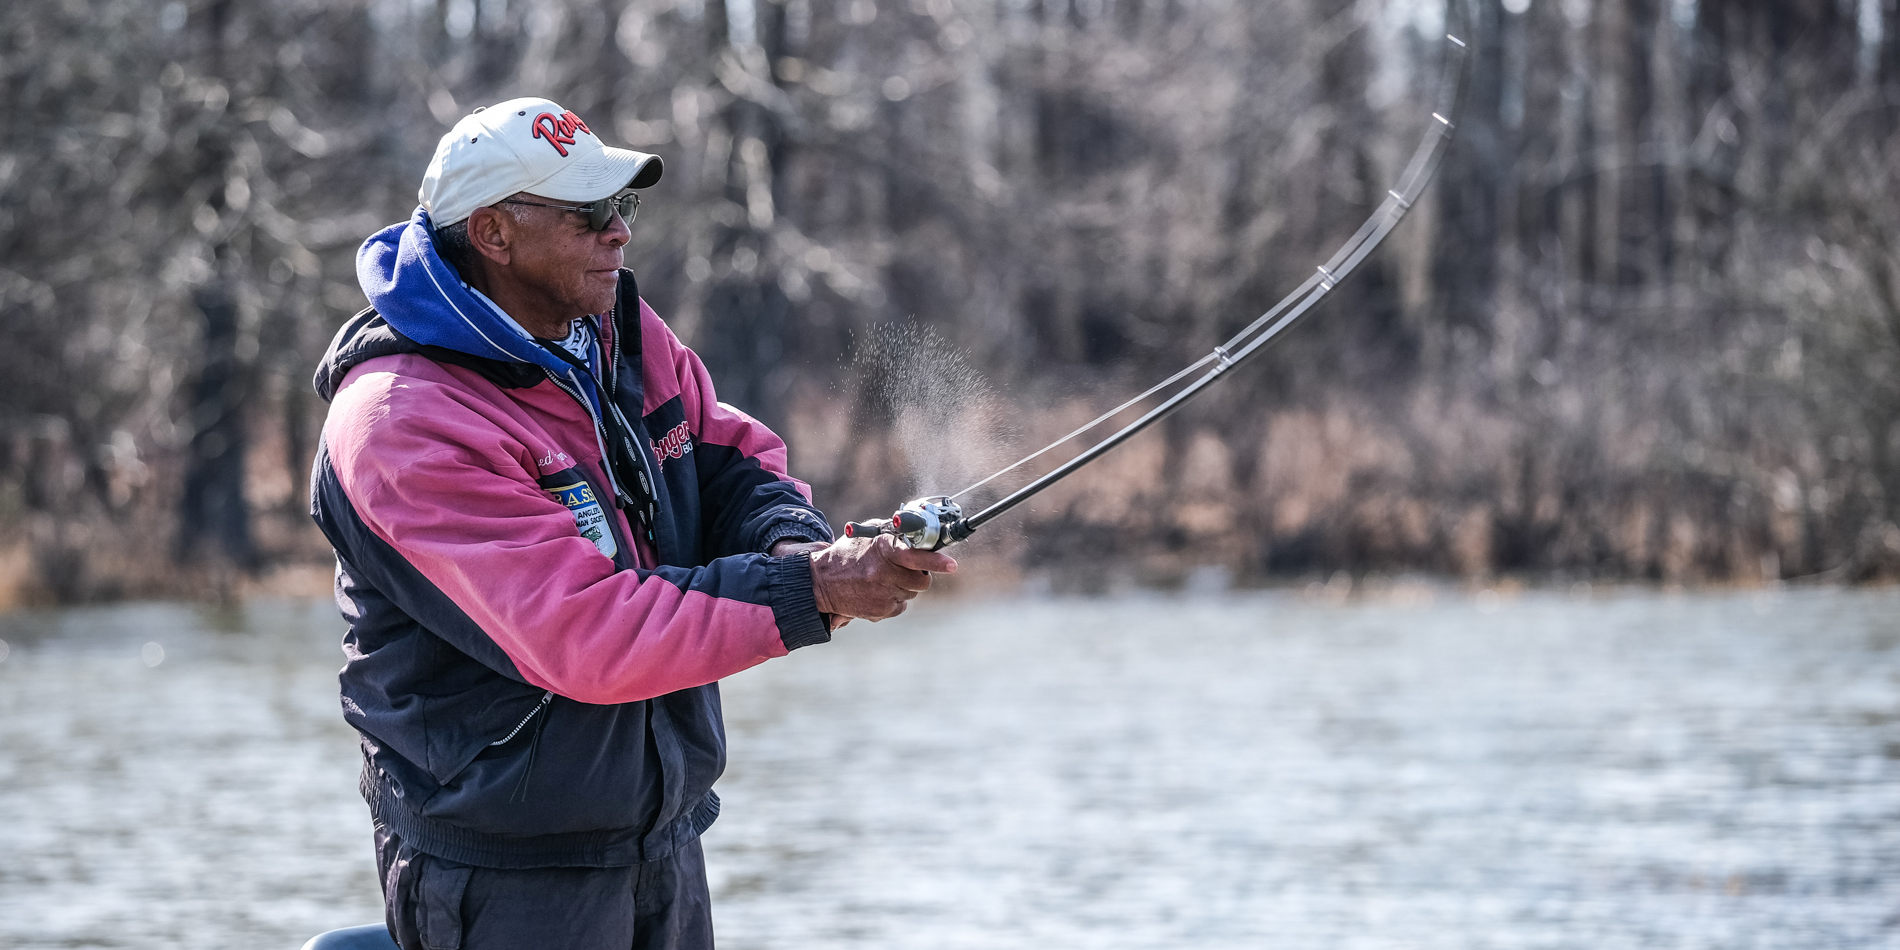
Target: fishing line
[936,521]
[1098,420]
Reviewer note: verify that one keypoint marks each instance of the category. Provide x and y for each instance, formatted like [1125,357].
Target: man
[552,541]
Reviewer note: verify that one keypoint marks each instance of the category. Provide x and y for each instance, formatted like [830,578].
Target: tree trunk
[214,519]
[742,331]
[1465,252]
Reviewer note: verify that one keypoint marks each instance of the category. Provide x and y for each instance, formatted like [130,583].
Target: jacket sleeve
[749,500]
[457,507]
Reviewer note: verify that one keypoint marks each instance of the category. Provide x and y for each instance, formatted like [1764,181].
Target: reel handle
[868,529]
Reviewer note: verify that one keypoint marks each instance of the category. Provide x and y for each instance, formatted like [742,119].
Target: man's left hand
[790,547]
[877,586]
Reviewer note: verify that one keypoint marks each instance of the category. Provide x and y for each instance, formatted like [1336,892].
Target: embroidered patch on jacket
[674,445]
[588,516]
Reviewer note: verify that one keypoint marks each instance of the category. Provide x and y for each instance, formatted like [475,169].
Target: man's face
[575,268]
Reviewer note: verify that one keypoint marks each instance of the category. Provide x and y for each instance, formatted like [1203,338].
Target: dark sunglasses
[599,213]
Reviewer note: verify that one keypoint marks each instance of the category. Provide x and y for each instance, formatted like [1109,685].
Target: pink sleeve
[448,493]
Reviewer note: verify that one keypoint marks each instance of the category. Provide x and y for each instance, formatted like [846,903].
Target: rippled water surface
[1144,771]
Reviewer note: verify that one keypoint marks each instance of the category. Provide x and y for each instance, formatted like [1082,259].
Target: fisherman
[552,541]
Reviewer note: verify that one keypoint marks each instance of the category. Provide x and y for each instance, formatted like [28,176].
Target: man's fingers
[872,578]
[935,562]
[896,609]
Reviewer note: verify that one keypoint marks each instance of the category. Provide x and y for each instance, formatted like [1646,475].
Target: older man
[552,541]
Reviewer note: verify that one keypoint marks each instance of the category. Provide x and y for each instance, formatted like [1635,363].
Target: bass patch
[589,518]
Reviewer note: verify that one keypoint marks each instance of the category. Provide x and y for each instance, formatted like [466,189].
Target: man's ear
[488,232]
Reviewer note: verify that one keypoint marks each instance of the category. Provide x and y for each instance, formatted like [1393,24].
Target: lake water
[1210,770]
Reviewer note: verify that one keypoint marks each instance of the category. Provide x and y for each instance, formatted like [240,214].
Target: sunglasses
[599,213]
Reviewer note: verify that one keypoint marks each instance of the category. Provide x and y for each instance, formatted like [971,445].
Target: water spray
[937,521]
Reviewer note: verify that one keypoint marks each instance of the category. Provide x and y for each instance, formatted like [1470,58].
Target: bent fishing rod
[937,521]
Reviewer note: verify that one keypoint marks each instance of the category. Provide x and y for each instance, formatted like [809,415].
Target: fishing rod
[937,521]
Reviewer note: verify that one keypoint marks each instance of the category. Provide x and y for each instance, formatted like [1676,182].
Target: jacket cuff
[794,604]
[788,531]
[795,524]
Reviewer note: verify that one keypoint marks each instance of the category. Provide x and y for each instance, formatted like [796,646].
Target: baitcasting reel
[925,524]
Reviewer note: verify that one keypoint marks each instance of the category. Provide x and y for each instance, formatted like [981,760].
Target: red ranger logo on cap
[559,131]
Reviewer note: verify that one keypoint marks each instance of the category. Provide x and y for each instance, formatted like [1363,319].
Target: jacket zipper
[647,473]
[520,792]
[613,355]
[546,698]
[649,488]
[621,498]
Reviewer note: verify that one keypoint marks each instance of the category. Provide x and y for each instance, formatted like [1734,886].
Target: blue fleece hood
[423,298]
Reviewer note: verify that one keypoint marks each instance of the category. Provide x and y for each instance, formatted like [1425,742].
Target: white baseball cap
[530,145]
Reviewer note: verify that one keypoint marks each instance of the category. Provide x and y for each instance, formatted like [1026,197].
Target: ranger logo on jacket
[674,445]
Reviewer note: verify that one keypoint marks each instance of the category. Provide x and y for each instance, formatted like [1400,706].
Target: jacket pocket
[459,734]
[509,750]
[539,716]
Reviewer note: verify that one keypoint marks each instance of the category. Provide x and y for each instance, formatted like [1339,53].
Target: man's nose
[617,233]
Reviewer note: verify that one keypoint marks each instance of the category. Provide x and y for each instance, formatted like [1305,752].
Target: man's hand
[872,578]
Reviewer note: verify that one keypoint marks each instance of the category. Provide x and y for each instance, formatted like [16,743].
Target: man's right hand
[873,578]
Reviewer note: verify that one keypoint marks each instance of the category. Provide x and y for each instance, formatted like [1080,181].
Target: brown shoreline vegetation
[1644,328]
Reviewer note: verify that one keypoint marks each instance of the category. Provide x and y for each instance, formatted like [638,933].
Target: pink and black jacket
[545,573]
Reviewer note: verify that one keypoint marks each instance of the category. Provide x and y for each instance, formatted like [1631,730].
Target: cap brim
[600,175]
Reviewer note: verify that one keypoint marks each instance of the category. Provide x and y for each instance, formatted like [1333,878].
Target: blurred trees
[1646,325]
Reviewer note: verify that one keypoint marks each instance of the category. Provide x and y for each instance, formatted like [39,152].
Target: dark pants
[432,904]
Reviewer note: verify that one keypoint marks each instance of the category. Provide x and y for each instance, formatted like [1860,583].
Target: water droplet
[152,654]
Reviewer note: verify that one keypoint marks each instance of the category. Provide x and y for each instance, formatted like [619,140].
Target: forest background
[1646,326]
